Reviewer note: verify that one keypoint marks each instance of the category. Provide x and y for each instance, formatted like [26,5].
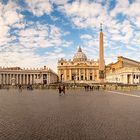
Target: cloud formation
[46,30]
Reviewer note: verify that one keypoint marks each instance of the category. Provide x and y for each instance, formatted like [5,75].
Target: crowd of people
[61,87]
[91,88]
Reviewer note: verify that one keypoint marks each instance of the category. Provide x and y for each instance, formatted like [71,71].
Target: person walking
[61,88]
[20,88]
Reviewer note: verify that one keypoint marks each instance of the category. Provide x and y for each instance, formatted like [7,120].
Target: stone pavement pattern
[78,115]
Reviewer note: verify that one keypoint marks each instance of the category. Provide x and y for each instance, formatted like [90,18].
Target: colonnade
[11,78]
[79,74]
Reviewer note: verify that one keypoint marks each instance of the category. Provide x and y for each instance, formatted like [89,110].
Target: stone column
[79,74]
[76,74]
[84,74]
[15,78]
[93,77]
[30,78]
[8,79]
[70,75]
[33,79]
[65,75]
[3,79]
[132,78]
[87,74]
[23,79]
[0,78]
[19,78]
[48,78]
[27,75]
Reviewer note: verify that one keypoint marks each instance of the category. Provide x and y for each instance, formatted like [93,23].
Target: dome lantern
[79,56]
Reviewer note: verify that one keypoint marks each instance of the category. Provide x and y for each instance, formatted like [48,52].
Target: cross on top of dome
[79,55]
[79,49]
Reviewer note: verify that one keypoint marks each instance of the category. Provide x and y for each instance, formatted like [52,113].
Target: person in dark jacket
[61,89]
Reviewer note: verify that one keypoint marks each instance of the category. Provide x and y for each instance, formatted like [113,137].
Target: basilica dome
[79,56]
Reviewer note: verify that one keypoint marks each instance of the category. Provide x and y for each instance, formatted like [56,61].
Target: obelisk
[101,57]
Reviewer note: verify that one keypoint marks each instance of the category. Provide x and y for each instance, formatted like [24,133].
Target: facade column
[23,79]
[70,75]
[76,74]
[132,78]
[84,75]
[65,75]
[0,78]
[32,78]
[27,75]
[48,78]
[93,77]
[3,79]
[79,74]
[20,79]
[10,79]
[15,78]
[87,74]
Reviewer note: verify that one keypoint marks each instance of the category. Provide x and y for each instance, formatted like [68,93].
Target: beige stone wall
[80,71]
[124,75]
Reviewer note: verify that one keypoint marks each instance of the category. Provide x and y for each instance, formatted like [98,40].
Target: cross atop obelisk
[101,56]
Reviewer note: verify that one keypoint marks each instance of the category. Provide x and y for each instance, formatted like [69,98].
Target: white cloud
[59,2]
[83,13]
[86,36]
[8,17]
[42,36]
[39,7]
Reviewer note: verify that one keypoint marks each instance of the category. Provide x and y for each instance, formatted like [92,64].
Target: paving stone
[78,115]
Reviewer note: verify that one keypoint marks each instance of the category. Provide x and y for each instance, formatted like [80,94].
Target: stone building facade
[125,70]
[17,75]
[79,69]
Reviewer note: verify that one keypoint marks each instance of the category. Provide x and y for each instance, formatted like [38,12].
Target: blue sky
[34,33]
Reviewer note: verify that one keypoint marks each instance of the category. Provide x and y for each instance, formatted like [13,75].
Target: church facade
[79,69]
[125,70]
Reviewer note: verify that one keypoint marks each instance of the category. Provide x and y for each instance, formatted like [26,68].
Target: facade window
[137,77]
[82,78]
[113,70]
[72,77]
[90,77]
[133,76]
[61,63]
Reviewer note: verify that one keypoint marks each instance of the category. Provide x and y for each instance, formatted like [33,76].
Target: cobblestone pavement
[78,115]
